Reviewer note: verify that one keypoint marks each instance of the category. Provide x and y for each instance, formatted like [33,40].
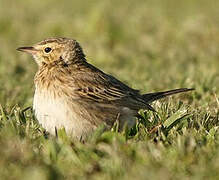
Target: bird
[73,94]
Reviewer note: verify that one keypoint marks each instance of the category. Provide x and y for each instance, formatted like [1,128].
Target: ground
[150,45]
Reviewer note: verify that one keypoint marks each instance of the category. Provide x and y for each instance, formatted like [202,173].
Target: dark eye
[47,49]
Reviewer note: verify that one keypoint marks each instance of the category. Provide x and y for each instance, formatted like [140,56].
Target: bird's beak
[30,50]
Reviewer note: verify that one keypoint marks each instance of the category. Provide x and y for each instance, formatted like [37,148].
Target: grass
[151,45]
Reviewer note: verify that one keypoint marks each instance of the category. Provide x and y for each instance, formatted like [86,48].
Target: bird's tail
[150,97]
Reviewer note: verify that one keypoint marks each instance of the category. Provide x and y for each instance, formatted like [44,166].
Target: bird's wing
[97,86]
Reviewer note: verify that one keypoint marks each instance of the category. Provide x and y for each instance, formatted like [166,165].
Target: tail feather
[150,97]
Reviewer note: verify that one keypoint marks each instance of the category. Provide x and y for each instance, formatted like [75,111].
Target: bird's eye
[47,49]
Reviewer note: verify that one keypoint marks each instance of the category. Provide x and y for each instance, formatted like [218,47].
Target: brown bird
[71,93]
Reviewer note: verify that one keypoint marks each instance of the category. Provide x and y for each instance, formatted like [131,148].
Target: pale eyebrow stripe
[47,41]
[59,40]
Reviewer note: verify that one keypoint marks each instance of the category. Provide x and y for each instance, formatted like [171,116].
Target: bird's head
[55,50]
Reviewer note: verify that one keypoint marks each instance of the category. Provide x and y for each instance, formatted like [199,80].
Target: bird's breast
[55,111]
[51,112]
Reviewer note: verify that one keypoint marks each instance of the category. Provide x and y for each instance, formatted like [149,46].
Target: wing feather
[97,86]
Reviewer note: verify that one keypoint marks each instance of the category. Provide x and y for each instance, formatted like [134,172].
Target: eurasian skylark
[71,93]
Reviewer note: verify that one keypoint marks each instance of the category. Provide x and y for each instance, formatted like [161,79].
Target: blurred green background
[151,45]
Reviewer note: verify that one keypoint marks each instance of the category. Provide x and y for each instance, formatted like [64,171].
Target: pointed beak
[30,50]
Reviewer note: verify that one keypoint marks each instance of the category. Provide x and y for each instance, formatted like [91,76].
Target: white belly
[58,113]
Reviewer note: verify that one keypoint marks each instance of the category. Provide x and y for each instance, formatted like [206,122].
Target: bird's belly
[55,113]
